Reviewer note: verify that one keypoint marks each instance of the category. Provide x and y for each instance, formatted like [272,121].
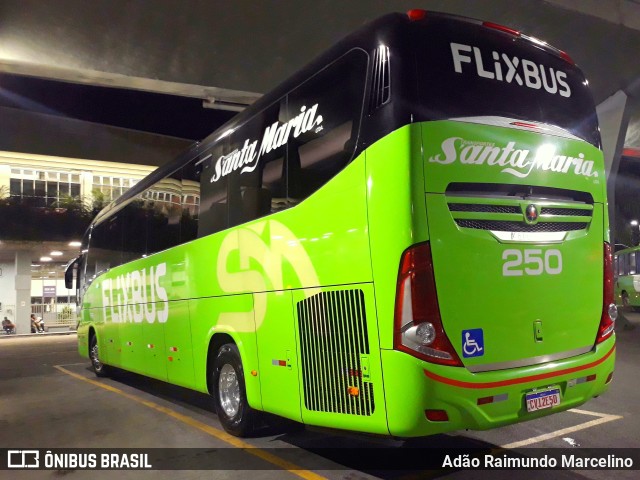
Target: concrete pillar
[23,291]
[86,186]
[613,116]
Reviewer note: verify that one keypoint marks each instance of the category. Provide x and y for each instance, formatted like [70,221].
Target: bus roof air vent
[380,79]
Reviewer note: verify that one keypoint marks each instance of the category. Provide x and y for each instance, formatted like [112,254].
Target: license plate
[541,400]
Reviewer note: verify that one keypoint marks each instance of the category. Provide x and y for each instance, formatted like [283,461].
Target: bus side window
[163,206]
[190,201]
[105,250]
[213,215]
[632,263]
[134,218]
[251,195]
[274,181]
[86,271]
[331,107]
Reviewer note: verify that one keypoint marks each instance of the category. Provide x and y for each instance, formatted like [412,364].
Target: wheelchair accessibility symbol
[472,343]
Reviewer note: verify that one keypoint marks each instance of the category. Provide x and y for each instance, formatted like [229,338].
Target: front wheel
[99,368]
[229,393]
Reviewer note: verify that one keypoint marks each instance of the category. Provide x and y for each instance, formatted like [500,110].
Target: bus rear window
[467,70]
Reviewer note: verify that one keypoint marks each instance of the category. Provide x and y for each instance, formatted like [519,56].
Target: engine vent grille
[502,226]
[477,207]
[575,212]
[333,341]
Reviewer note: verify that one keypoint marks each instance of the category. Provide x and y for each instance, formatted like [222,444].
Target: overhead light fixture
[56,253]
[75,243]
[45,259]
[35,264]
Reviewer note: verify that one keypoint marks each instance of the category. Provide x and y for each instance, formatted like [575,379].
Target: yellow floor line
[203,427]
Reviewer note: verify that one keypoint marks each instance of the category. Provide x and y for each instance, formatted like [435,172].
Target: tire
[229,393]
[99,368]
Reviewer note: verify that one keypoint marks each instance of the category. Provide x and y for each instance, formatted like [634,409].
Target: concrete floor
[45,407]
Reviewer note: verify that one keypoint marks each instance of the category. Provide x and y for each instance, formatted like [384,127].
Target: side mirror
[68,272]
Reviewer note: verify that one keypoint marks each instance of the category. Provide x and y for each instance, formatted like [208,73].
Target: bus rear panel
[502,297]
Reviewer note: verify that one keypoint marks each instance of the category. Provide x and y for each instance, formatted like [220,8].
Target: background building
[91,99]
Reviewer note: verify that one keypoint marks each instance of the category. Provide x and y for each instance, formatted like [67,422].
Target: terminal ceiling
[149,64]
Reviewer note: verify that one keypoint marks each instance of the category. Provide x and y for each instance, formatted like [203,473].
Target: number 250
[533,260]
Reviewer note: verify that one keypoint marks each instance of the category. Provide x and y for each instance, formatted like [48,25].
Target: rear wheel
[99,368]
[229,393]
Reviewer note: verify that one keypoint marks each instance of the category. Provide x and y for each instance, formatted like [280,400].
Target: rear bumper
[417,386]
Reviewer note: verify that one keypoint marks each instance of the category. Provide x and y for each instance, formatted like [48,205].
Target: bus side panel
[131,346]
[278,355]
[340,375]
[83,332]
[232,315]
[629,285]
[397,214]
[92,316]
[178,345]
[155,355]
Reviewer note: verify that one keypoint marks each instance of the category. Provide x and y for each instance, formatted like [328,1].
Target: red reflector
[436,415]
[591,378]
[502,28]
[522,124]
[282,363]
[609,378]
[170,359]
[567,58]
[416,14]
[485,400]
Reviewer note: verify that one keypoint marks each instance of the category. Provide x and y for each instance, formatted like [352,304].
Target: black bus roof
[391,29]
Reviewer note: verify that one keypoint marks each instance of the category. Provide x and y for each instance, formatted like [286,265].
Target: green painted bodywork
[627,285]
[246,282]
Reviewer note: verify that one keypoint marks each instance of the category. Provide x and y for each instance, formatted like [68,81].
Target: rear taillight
[418,326]
[416,14]
[609,309]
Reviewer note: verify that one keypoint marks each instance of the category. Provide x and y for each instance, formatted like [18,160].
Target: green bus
[627,277]
[409,236]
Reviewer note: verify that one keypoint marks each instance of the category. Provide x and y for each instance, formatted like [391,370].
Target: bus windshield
[467,69]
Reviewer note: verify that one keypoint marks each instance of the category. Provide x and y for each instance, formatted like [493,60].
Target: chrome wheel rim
[95,359]
[229,390]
